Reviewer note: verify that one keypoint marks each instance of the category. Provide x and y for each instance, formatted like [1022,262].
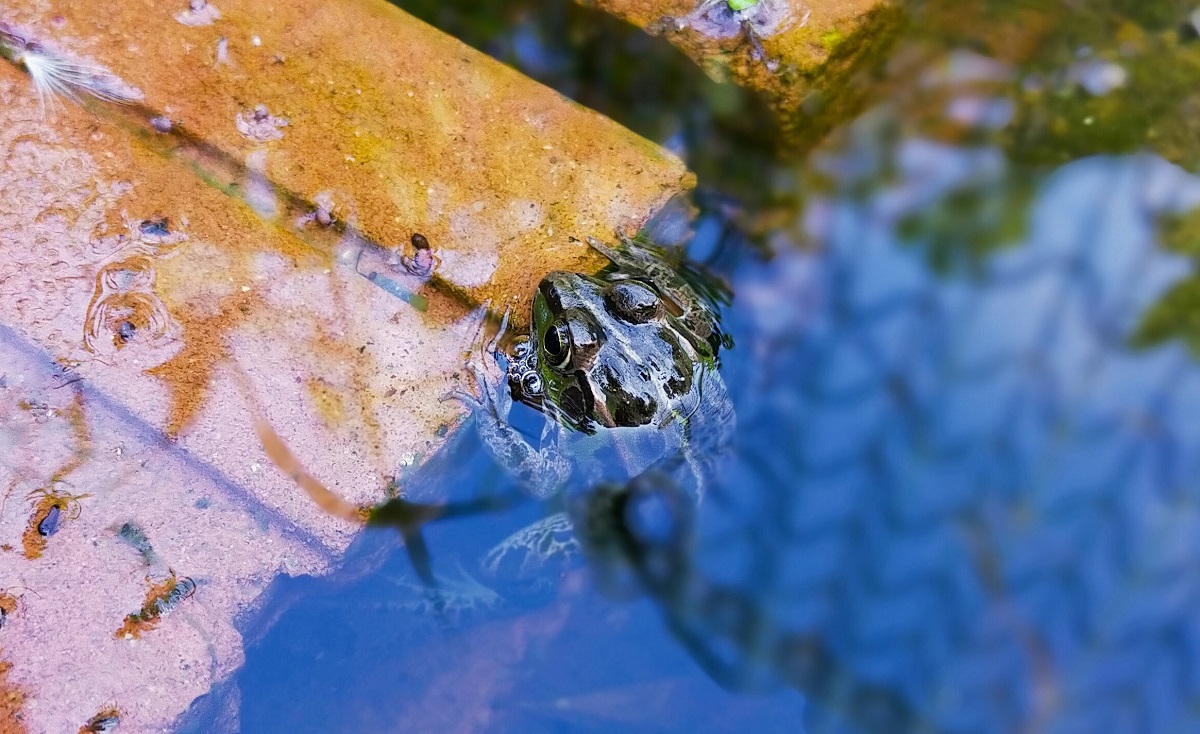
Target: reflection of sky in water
[986,500]
[963,486]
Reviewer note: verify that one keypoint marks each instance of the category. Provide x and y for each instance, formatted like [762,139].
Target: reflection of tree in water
[961,501]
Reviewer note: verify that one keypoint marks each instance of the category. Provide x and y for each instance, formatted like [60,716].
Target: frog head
[609,352]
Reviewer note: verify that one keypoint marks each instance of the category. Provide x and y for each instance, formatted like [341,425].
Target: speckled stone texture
[162,286]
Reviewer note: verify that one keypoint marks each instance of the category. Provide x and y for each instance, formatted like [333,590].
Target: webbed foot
[533,546]
[540,472]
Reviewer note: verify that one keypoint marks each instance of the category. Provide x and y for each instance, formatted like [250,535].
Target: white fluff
[56,74]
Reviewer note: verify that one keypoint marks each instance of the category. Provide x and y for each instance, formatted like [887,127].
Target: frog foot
[552,538]
[491,402]
[540,472]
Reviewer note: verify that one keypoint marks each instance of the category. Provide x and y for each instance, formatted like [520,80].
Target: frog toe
[604,249]
[526,552]
[487,388]
[495,341]
[463,397]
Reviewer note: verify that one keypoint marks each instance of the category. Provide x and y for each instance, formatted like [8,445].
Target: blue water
[960,498]
[966,487]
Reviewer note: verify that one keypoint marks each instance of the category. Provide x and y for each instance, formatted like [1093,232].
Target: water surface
[963,496]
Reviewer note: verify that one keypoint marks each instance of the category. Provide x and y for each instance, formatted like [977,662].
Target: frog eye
[634,302]
[556,343]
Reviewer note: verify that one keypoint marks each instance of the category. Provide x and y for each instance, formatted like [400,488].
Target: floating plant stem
[105,722]
[161,599]
[279,454]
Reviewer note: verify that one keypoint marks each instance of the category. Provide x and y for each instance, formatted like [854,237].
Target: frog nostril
[551,293]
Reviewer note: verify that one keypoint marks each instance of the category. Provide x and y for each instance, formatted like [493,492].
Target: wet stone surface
[149,318]
[800,53]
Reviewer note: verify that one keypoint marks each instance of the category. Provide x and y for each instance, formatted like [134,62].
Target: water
[963,496]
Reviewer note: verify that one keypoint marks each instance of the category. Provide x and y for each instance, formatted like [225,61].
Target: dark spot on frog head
[679,384]
[577,402]
[160,227]
[628,404]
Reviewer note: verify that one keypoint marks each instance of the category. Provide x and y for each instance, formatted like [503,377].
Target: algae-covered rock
[814,59]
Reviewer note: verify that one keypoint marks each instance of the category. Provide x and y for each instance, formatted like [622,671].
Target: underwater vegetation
[162,597]
[51,508]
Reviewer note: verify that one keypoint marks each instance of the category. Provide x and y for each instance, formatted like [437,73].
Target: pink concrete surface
[135,359]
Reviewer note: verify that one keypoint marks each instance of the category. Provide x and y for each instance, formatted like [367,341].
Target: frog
[624,367]
[751,20]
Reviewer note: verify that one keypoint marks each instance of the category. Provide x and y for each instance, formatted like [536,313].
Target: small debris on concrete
[132,534]
[422,263]
[57,74]
[260,125]
[8,606]
[158,227]
[223,51]
[198,13]
[50,509]
[323,214]
[161,599]
[107,721]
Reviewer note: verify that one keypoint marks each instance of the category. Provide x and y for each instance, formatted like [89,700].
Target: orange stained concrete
[410,130]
